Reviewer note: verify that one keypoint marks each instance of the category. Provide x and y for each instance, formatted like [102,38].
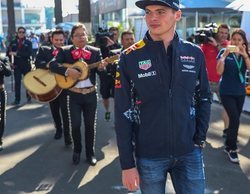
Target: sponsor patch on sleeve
[118,79]
[135,46]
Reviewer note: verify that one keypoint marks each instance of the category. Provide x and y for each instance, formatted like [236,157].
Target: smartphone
[232,48]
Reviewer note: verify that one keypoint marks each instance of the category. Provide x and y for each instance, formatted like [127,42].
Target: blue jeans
[187,174]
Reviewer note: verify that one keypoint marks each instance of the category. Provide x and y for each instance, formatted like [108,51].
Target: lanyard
[239,65]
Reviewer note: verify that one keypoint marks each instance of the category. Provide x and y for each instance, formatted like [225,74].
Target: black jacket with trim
[5,69]
[64,56]
[44,56]
[23,54]
[173,100]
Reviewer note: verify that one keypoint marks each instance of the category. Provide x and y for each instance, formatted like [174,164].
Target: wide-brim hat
[174,4]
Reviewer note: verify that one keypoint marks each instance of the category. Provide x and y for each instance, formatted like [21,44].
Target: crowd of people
[161,121]
[72,103]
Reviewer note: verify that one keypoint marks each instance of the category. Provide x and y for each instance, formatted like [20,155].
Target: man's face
[161,20]
[127,40]
[115,35]
[80,38]
[57,40]
[21,33]
[222,34]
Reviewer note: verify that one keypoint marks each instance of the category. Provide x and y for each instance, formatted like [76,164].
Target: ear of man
[178,15]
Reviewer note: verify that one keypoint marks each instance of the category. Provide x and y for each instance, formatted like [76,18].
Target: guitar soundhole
[39,81]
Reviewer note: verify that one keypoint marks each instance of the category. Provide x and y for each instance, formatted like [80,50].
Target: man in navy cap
[162,106]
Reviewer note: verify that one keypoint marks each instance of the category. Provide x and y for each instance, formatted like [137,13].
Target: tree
[84,11]
[11,19]
[58,11]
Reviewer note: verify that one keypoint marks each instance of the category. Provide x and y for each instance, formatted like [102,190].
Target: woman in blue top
[232,65]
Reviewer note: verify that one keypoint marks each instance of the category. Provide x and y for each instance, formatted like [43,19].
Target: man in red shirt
[211,50]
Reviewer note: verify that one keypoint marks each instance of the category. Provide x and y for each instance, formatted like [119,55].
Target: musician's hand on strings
[73,73]
[103,64]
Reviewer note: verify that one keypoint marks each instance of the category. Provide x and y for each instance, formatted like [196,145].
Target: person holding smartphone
[232,63]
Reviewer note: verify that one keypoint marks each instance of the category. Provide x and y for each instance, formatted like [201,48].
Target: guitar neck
[94,65]
[109,60]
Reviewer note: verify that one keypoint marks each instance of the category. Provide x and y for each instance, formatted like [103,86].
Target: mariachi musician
[5,70]
[83,97]
[20,50]
[44,56]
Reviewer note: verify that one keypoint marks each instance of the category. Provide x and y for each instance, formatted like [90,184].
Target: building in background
[107,13]
[125,15]
[32,18]
[49,17]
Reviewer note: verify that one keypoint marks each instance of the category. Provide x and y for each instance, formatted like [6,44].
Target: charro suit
[58,106]
[4,71]
[21,63]
[80,103]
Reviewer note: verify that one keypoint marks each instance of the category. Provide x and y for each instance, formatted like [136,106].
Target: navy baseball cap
[174,4]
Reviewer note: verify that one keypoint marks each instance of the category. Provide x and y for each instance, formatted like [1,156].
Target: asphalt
[32,162]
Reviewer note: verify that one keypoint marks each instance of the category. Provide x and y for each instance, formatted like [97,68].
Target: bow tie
[81,54]
[55,52]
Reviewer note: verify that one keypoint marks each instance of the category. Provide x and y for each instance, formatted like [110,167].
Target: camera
[202,34]
[101,37]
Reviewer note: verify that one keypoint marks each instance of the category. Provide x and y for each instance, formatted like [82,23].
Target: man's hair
[21,27]
[224,26]
[111,29]
[57,32]
[76,26]
[129,32]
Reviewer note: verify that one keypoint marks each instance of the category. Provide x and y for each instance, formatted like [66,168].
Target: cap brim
[144,4]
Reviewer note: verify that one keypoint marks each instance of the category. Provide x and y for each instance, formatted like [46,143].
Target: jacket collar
[148,39]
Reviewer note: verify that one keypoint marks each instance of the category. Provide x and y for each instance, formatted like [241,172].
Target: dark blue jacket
[171,98]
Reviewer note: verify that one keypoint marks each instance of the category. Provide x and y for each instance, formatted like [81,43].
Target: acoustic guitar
[66,82]
[41,85]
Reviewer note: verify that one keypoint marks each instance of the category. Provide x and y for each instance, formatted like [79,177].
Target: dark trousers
[59,111]
[3,99]
[83,105]
[34,52]
[18,72]
[233,106]
[107,86]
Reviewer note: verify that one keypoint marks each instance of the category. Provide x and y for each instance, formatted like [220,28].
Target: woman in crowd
[233,62]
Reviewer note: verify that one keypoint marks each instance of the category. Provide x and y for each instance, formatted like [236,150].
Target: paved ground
[33,162]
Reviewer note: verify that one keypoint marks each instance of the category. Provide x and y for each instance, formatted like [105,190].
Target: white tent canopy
[245,25]
[240,5]
[243,5]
